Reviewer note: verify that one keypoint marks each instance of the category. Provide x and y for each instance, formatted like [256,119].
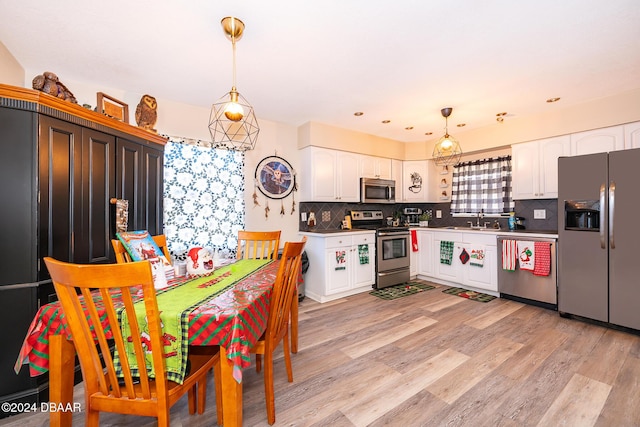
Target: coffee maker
[412,216]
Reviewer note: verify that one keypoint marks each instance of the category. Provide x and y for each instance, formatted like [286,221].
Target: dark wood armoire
[60,167]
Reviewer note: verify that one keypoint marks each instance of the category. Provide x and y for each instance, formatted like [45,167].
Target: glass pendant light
[232,121]
[447,150]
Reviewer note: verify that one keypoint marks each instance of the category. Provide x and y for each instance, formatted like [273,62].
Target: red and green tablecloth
[228,308]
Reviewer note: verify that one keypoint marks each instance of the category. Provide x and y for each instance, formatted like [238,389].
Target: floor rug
[401,290]
[472,295]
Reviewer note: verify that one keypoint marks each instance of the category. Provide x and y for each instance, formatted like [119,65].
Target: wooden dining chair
[123,256]
[258,244]
[105,391]
[265,244]
[284,290]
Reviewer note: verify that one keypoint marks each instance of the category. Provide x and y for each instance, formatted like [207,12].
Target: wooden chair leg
[258,362]
[287,357]
[201,392]
[294,324]
[217,379]
[192,400]
[268,388]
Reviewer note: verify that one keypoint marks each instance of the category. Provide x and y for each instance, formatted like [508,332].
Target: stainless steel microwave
[373,190]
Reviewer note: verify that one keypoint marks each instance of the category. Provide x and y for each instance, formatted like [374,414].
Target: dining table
[232,315]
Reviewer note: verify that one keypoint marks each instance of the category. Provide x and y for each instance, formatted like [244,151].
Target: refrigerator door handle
[612,204]
[603,242]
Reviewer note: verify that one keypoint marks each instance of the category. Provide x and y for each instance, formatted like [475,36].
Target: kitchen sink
[469,228]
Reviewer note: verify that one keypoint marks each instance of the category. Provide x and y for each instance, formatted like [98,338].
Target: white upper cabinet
[632,135]
[415,181]
[329,176]
[375,167]
[597,141]
[535,167]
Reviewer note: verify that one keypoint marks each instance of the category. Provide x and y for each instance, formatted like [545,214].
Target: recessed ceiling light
[553,100]
[386,121]
[408,128]
[500,117]
[428,133]
[461,125]
[358,113]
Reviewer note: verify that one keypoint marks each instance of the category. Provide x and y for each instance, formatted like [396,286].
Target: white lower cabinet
[481,278]
[339,265]
[421,261]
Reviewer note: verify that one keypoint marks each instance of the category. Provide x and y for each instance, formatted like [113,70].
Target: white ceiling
[322,61]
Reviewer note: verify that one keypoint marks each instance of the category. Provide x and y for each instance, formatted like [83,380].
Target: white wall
[11,72]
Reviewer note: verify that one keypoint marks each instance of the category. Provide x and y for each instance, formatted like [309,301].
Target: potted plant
[424,219]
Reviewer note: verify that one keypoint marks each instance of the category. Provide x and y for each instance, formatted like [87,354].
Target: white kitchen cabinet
[535,167]
[453,272]
[375,167]
[415,181]
[331,176]
[479,278]
[601,140]
[425,252]
[632,135]
[396,175]
[485,277]
[336,268]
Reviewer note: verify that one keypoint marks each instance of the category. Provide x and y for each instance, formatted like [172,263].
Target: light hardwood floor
[433,359]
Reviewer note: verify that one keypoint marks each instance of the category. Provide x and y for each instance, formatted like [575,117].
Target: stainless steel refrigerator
[599,237]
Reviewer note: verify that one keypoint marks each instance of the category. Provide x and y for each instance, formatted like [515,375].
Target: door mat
[401,290]
[472,295]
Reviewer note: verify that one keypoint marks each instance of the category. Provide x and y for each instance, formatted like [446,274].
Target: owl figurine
[146,112]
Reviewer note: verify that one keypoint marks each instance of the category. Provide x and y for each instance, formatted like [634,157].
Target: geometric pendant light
[447,150]
[232,121]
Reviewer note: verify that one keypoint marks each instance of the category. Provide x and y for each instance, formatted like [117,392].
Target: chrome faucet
[480,215]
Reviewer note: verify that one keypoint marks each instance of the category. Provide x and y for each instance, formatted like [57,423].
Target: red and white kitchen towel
[526,255]
[509,255]
[543,258]
[414,241]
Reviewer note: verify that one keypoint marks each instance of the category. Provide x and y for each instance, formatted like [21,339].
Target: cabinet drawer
[480,239]
[337,241]
[361,239]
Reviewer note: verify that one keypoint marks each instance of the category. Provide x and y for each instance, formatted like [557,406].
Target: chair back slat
[258,244]
[284,290]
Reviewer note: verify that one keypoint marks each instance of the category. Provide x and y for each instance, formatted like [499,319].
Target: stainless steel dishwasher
[523,285]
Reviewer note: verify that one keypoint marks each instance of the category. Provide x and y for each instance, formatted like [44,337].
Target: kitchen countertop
[501,232]
[333,231]
[496,231]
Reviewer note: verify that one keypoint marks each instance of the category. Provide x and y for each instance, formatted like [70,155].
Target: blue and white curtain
[203,196]
[482,186]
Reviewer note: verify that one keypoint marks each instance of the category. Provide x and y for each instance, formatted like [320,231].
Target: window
[482,186]
[203,197]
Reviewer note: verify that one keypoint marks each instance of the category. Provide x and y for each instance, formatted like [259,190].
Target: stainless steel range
[392,247]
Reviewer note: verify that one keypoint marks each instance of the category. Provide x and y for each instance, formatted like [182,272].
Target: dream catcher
[276,179]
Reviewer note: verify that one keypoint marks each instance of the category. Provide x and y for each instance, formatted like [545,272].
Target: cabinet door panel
[60,172]
[99,184]
[152,182]
[128,179]
[18,250]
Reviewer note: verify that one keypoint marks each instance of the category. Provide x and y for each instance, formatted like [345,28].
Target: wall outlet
[438,213]
[539,214]
[303,216]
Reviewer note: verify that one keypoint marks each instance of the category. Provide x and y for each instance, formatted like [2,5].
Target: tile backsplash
[330,215]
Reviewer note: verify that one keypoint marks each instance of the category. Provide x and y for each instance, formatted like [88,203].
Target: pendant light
[447,150]
[232,122]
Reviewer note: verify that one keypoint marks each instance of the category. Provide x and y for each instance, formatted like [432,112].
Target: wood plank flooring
[433,359]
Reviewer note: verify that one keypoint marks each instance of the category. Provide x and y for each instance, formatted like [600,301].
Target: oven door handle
[393,233]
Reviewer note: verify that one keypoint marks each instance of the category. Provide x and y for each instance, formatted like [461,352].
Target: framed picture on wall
[275,178]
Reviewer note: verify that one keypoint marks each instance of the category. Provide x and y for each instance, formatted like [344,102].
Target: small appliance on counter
[412,216]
